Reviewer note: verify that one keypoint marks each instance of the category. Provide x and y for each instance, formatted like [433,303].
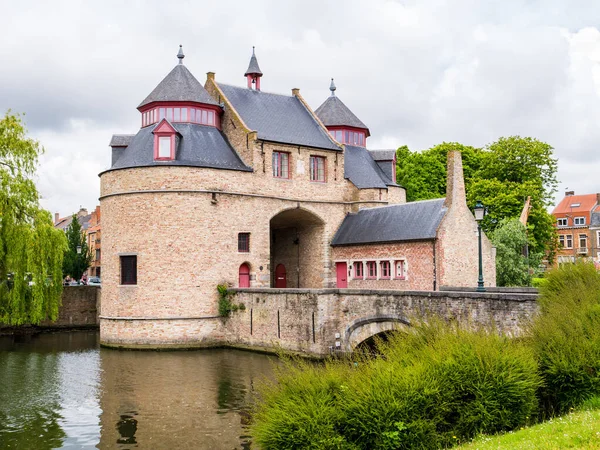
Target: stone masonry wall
[312,321]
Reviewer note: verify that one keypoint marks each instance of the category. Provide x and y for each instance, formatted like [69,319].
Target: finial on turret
[180,54]
[332,88]
[253,51]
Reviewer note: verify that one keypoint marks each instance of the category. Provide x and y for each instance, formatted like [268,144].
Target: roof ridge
[404,204]
[260,92]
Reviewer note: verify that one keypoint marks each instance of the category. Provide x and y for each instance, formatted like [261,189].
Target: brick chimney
[569,193]
[56,217]
[455,183]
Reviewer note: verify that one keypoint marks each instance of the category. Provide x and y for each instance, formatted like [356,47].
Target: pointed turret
[342,124]
[253,73]
[179,86]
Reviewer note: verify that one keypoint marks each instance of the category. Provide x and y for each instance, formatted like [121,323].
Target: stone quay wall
[79,309]
[321,322]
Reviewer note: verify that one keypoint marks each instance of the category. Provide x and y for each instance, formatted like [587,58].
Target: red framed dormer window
[385,269]
[371,269]
[164,141]
[350,136]
[358,270]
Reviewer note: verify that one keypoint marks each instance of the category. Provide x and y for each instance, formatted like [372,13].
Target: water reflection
[61,390]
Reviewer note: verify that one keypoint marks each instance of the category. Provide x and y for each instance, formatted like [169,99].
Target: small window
[192,115]
[563,222]
[170,114]
[184,114]
[129,269]
[569,240]
[244,242]
[371,269]
[97,254]
[561,241]
[358,270]
[317,168]
[582,241]
[385,269]
[177,115]
[579,221]
[281,165]
[400,270]
[164,147]
[211,118]
[161,114]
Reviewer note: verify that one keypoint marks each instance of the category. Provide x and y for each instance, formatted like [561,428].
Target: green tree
[76,262]
[502,175]
[31,249]
[512,265]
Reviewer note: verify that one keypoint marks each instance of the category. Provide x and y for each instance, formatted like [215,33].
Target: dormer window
[165,139]
[181,114]
[350,137]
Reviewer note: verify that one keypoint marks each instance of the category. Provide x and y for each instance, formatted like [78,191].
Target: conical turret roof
[253,66]
[333,112]
[180,86]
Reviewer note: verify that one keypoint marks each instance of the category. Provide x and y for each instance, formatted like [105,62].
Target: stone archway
[298,243]
[363,330]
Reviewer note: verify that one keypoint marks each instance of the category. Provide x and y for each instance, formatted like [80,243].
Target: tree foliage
[75,262]
[31,249]
[512,265]
[502,175]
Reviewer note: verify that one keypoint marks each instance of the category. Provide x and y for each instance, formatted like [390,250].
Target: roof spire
[253,68]
[180,54]
[332,88]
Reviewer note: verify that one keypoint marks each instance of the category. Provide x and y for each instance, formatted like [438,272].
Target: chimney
[569,193]
[295,92]
[57,216]
[455,183]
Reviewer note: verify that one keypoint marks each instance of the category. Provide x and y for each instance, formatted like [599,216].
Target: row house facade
[578,226]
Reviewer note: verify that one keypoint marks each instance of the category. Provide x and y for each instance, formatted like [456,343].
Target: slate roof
[595,219]
[198,146]
[179,85]
[121,140]
[278,118]
[362,170]
[407,222]
[333,112]
[383,155]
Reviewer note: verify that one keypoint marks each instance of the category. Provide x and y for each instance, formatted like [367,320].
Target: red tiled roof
[586,204]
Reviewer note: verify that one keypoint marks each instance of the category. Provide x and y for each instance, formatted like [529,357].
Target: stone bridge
[323,321]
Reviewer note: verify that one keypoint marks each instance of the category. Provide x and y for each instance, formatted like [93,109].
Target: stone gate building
[229,184]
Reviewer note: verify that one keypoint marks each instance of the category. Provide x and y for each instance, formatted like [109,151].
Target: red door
[342,275]
[244,281]
[280,278]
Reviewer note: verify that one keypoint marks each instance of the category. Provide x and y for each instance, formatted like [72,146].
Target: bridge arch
[364,329]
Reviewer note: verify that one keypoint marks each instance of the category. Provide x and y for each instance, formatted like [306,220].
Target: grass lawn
[580,430]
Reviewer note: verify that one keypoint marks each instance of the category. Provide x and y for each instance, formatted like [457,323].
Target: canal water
[62,390]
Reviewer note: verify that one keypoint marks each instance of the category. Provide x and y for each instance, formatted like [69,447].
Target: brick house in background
[578,227]
[229,184]
[90,224]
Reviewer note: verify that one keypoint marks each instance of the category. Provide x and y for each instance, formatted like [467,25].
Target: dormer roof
[333,112]
[179,86]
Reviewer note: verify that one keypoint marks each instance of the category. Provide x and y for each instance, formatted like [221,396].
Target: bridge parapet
[321,321]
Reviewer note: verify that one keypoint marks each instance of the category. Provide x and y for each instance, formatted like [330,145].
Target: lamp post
[479,214]
[79,249]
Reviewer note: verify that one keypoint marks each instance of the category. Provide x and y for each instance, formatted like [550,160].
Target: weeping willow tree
[31,249]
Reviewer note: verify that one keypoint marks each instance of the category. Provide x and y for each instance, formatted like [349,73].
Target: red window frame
[317,174]
[279,165]
[371,270]
[243,242]
[400,276]
[385,270]
[359,272]
[157,137]
[128,269]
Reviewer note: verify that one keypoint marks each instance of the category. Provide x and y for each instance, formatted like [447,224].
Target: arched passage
[298,243]
[363,332]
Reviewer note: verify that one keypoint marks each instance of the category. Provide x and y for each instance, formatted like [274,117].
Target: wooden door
[280,276]
[342,274]
[244,279]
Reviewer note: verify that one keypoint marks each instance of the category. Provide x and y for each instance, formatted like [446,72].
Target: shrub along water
[566,337]
[432,387]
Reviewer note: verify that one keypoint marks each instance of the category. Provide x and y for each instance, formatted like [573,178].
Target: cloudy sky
[416,72]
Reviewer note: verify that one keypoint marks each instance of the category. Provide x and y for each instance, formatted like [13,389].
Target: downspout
[434,265]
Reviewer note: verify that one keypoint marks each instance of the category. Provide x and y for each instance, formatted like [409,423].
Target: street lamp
[79,249]
[479,214]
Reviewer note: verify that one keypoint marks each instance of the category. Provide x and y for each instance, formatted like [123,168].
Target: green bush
[538,282]
[430,388]
[566,336]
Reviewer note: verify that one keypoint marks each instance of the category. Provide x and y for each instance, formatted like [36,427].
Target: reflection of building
[578,227]
[228,184]
[90,224]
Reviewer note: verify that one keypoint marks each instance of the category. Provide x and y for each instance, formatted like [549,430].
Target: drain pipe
[434,265]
